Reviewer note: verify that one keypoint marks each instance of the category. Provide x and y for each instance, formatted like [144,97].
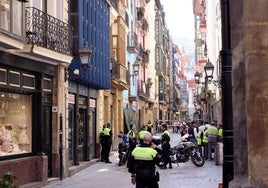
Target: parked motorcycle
[183,152]
[123,149]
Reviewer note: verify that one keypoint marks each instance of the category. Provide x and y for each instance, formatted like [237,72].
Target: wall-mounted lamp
[85,55]
[209,70]
[197,76]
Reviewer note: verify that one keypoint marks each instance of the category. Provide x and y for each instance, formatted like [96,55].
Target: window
[12,16]
[15,123]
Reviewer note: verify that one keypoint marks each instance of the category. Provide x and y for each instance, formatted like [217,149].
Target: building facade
[36,47]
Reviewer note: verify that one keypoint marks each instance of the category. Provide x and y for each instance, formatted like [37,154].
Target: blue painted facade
[94,30]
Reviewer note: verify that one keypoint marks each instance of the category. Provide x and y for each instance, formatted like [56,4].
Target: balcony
[119,75]
[142,91]
[132,42]
[48,32]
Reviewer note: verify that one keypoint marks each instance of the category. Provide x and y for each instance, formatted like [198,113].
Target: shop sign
[71,99]
[92,103]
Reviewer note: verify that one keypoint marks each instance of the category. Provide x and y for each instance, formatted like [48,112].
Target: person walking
[102,143]
[212,134]
[108,142]
[165,147]
[142,164]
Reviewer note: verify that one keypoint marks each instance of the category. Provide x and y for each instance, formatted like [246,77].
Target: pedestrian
[132,137]
[212,134]
[142,132]
[108,142]
[205,141]
[165,147]
[142,164]
[149,126]
[200,136]
[192,131]
[220,133]
[102,143]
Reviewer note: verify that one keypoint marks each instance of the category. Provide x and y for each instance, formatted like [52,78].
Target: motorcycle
[123,149]
[183,152]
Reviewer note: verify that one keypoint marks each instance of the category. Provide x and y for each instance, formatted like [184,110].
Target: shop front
[26,89]
[82,123]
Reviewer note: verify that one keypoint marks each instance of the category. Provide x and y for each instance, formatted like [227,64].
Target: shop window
[3,76]
[14,78]
[15,124]
[28,81]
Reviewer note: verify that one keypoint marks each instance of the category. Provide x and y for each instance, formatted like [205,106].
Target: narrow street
[186,175]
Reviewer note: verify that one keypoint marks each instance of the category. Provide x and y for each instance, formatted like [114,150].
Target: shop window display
[15,124]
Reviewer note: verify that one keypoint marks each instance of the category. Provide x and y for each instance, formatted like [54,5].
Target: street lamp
[85,55]
[209,69]
[197,77]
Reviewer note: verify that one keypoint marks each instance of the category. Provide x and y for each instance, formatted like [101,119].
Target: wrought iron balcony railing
[47,31]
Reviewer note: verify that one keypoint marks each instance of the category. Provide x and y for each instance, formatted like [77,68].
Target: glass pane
[3,76]
[17,18]
[5,14]
[14,78]
[15,124]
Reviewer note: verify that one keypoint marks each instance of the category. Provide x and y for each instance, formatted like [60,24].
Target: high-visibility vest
[106,131]
[133,134]
[142,133]
[144,153]
[199,140]
[205,138]
[220,132]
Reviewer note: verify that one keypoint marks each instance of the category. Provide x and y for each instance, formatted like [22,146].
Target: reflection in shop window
[15,124]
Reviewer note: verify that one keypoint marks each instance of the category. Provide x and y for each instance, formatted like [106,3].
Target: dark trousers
[102,152]
[205,146]
[107,149]
[146,179]
[166,156]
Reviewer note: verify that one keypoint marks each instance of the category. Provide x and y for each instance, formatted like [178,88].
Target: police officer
[142,164]
[142,132]
[132,138]
[212,134]
[102,142]
[165,147]
[108,142]
[149,126]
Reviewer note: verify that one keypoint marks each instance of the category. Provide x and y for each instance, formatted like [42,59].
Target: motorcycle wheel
[197,159]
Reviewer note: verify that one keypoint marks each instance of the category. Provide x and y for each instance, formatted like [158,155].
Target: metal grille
[47,31]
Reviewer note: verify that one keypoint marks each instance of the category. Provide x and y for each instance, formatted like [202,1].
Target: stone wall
[249,36]
[27,169]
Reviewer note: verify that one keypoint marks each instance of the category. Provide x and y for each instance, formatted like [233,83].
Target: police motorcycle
[123,149]
[183,152]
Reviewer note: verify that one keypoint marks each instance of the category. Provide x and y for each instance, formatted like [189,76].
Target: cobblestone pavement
[186,175]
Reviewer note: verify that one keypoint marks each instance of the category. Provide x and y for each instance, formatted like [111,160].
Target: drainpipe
[60,149]
[227,110]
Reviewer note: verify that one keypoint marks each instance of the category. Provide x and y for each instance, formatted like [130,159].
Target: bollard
[219,154]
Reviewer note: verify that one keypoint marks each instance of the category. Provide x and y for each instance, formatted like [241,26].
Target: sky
[180,21]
